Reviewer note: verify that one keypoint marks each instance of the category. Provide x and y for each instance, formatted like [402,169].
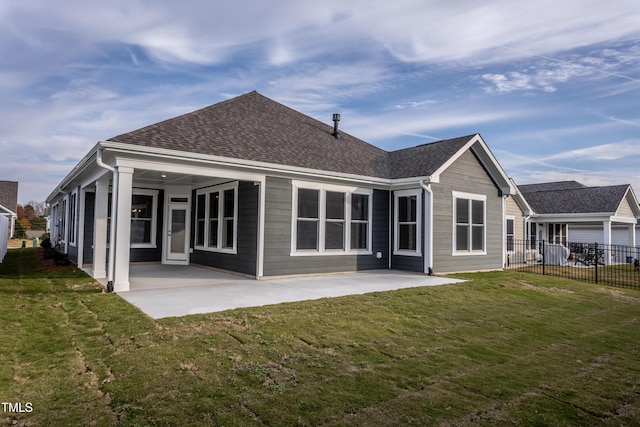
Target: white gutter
[428,229]
[114,204]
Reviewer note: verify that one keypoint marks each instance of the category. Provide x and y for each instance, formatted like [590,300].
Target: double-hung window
[510,233]
[217,218]
[469,216]
[330,219]
[360,221]
[142,218]
[408,214]
[144,208]
[72,218]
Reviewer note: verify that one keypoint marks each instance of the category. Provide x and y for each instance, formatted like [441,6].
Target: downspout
[114,202]
[428,229]
[391,230]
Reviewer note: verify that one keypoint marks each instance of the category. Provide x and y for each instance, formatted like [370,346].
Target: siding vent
[336,119]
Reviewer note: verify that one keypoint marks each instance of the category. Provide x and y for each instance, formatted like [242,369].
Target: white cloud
[603,152]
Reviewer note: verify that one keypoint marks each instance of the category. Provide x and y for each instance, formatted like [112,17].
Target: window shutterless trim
[219,219]
[322,219]
[470,197]
[397,195]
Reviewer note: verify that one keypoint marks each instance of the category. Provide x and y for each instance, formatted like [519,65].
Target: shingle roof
[549,186]
[9,195]
[254,127]
[426,159]
[576,200]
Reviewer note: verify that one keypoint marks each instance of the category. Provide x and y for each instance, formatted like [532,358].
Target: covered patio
[162,290]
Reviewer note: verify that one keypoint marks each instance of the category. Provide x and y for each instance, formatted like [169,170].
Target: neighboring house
[568,211]
[9,203]
[251,186]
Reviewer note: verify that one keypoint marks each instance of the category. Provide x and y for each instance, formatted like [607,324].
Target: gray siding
[513,210]
[278,260]
[245,259]
[466,174]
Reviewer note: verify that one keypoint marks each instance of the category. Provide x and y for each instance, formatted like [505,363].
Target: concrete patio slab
[200,290]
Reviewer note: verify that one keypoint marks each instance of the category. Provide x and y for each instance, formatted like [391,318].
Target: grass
[621,275]
[500,349]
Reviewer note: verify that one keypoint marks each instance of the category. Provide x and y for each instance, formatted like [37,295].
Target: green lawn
[501,349]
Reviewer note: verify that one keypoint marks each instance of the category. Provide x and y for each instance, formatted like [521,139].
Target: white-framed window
[510,232]
[144,218]
[144,208]
[217,218]
[469,224]
[57,215]
[330,220]
[73,215]
[407,221]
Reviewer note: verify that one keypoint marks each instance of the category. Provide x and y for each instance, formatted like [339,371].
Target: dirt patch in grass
[550,290]
[44,264]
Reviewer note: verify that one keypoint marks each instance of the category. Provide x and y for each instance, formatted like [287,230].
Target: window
[533,234]
[557,233]
[217,217]
[201,208]
[144,204]
[62,217]
[469,223]
[359,221]
[141,218]
[408,214]
[334,222]
[72,218]
[510,234]
[308,219]
[330,219]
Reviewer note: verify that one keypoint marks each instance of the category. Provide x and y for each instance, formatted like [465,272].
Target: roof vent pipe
[336,119]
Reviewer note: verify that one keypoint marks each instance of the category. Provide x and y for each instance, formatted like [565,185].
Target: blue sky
[552,86]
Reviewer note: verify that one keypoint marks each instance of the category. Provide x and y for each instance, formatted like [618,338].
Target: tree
[40,208]
[20,232]
[25,223]
[32,215]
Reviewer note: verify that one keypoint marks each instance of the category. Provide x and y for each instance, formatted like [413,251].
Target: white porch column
[606,226]
[123,229]
[99,269]
[632,235]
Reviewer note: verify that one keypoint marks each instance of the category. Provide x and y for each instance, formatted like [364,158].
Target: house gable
[9,195]
[466,174]
[628,206]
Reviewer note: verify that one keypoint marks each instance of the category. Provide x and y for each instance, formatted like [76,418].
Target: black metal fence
[614,265]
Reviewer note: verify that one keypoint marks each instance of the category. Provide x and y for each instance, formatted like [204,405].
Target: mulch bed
[50,264]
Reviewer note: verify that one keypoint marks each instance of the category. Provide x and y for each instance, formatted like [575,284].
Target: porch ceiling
[153,178]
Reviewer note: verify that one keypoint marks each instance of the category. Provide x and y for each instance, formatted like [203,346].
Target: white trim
[396,225]
[206,191]
[322,189]
[469,196]
[262,209]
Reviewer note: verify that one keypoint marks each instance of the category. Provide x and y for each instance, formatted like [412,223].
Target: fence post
[596,255]
[544,261]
